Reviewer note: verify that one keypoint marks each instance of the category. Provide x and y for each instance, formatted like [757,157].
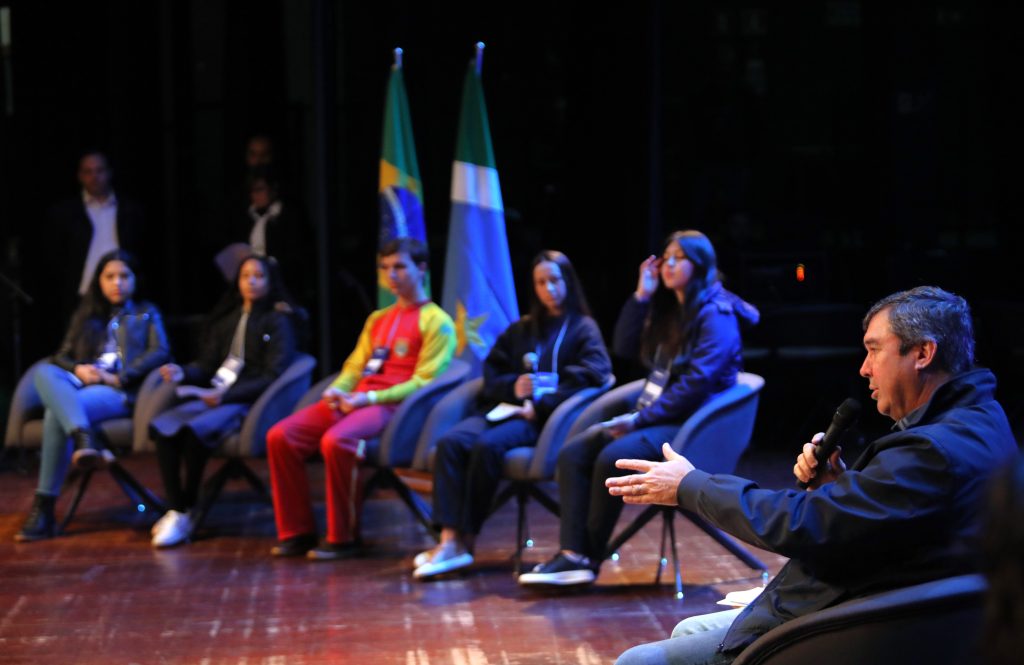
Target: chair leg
[662,560]
[669,520]
[211,490]
[631,530]
[254,480]
[503,497]
[83,484]
[421,510]
[544,500]
[522,496]
[728,543]
[374,481]
[136,491]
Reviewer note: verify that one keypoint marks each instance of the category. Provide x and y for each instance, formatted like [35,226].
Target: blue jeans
[694,642]
[69,407]
[470,461]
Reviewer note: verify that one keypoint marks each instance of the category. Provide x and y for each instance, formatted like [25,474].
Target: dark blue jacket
[904,513]
[708,363]
[582,362]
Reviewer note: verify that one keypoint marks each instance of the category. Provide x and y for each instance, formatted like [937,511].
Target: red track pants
[341,441]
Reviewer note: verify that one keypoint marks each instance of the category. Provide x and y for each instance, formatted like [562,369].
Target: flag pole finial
[479,57]
[398,58]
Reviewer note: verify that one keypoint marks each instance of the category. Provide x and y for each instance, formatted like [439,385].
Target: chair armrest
[275,403]
[613,403]
[450,410]
[931,622]
[399,439]
[717,434]
[24,401]
[154,397]
[556,429]
[312,395]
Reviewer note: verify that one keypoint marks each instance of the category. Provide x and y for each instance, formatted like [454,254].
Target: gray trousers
[69,407]
[694,642]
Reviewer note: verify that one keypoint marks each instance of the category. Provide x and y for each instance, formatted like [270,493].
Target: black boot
[87,455]
[41,522]
[83,439]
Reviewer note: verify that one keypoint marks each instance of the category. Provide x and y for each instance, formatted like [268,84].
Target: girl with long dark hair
[686,328]
[248,343]
[558,339]
[112,343]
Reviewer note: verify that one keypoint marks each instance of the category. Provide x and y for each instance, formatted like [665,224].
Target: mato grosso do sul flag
[479,292]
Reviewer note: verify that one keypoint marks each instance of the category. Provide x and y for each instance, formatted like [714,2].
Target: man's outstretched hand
[657,482]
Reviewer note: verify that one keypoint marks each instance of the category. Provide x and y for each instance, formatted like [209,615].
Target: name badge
[228,373]
[653,387]
[108,361]
[376,361]
[544,383]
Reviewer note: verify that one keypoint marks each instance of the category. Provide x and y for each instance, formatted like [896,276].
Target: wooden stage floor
[101,594]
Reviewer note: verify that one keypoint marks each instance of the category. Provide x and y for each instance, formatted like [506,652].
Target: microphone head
[847,413]
[530,360]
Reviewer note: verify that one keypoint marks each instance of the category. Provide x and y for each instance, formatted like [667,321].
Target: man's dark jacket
[64,242]
[904,513]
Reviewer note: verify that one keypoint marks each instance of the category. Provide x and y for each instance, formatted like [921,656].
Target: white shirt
[258,235]
[103,215]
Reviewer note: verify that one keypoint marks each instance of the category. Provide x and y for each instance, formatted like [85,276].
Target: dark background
[875,142]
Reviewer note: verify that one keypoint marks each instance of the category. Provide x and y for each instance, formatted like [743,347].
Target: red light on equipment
[800,272]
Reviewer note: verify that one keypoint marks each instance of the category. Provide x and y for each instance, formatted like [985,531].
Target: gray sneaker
[444,559]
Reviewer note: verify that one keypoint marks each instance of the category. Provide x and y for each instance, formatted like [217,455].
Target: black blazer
[269,349]
[67,239]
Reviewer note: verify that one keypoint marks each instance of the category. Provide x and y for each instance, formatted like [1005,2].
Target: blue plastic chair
[526,467]
[713,439]
[395,448]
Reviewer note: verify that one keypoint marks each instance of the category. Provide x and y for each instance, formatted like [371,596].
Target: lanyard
[558,344]
[391,333]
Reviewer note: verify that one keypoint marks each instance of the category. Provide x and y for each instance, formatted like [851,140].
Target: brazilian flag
[400,189]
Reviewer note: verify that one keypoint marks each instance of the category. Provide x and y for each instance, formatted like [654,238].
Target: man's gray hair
[929,313]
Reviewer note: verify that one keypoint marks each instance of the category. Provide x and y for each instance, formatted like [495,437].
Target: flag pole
[479,57]
[398,59]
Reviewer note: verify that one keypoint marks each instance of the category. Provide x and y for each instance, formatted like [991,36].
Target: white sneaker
[445,559]
[426,556]
[162,523]
[176,531]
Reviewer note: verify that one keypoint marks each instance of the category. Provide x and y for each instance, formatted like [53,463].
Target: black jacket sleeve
[864,511]
[504,364]
[69,352]
[269,349]
[214,349]
[629,327]
[156,351]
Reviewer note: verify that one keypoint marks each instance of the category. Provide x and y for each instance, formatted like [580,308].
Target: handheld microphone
[530,361]
[846,415]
